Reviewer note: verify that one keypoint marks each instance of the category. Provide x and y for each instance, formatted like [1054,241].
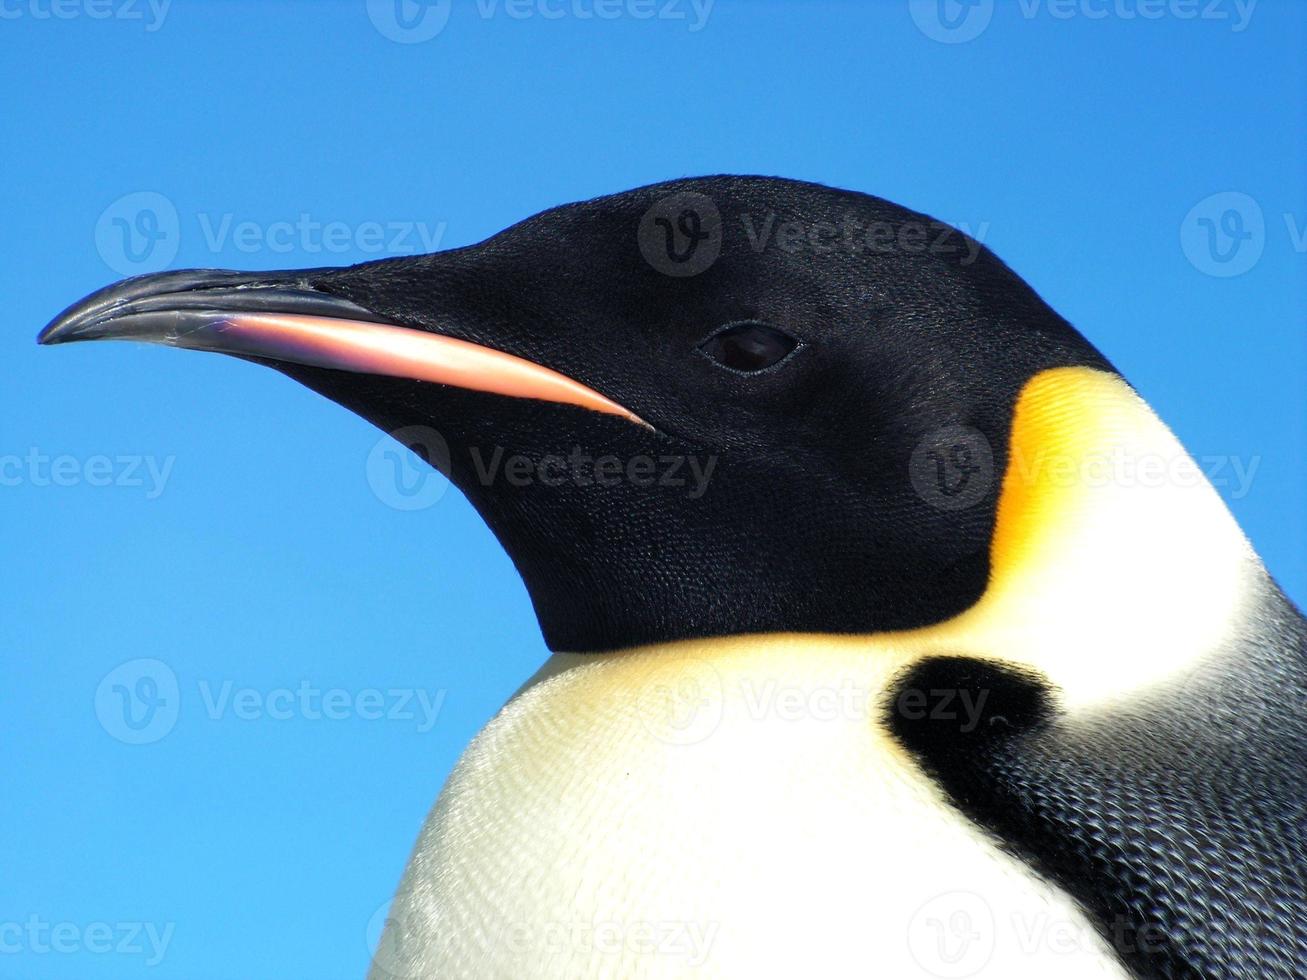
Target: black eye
[748,347]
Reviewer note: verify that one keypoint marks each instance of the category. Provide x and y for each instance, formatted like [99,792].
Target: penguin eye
[748,347]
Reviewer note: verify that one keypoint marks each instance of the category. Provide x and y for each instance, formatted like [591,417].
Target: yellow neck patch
[1114,562]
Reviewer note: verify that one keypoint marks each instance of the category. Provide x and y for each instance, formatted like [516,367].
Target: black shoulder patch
[952,706]
[1178,823]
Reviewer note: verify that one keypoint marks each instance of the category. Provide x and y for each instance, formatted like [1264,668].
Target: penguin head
[706,407]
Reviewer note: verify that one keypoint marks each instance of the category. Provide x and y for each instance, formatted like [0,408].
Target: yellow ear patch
[1114,563]
[1061,417]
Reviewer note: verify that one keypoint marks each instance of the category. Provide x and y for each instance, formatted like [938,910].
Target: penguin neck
[1114,562]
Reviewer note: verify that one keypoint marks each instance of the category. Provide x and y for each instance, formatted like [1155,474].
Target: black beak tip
[148,307]
[50,334]
[77,321]
[63,328]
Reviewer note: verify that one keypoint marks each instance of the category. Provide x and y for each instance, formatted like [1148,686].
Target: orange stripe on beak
[397,352]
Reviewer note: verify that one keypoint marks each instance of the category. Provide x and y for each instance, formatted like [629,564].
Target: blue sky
[335,640]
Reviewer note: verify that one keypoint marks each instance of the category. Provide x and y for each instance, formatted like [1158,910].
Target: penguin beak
[279,316]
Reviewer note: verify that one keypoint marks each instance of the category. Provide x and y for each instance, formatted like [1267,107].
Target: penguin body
[955,666]
[970,829]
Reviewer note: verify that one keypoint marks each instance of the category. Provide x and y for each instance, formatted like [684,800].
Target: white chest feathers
[723,809]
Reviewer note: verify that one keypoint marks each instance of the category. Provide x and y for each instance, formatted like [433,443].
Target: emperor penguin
[893,634]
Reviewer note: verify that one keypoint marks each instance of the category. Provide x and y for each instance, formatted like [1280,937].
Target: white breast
[722,809]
